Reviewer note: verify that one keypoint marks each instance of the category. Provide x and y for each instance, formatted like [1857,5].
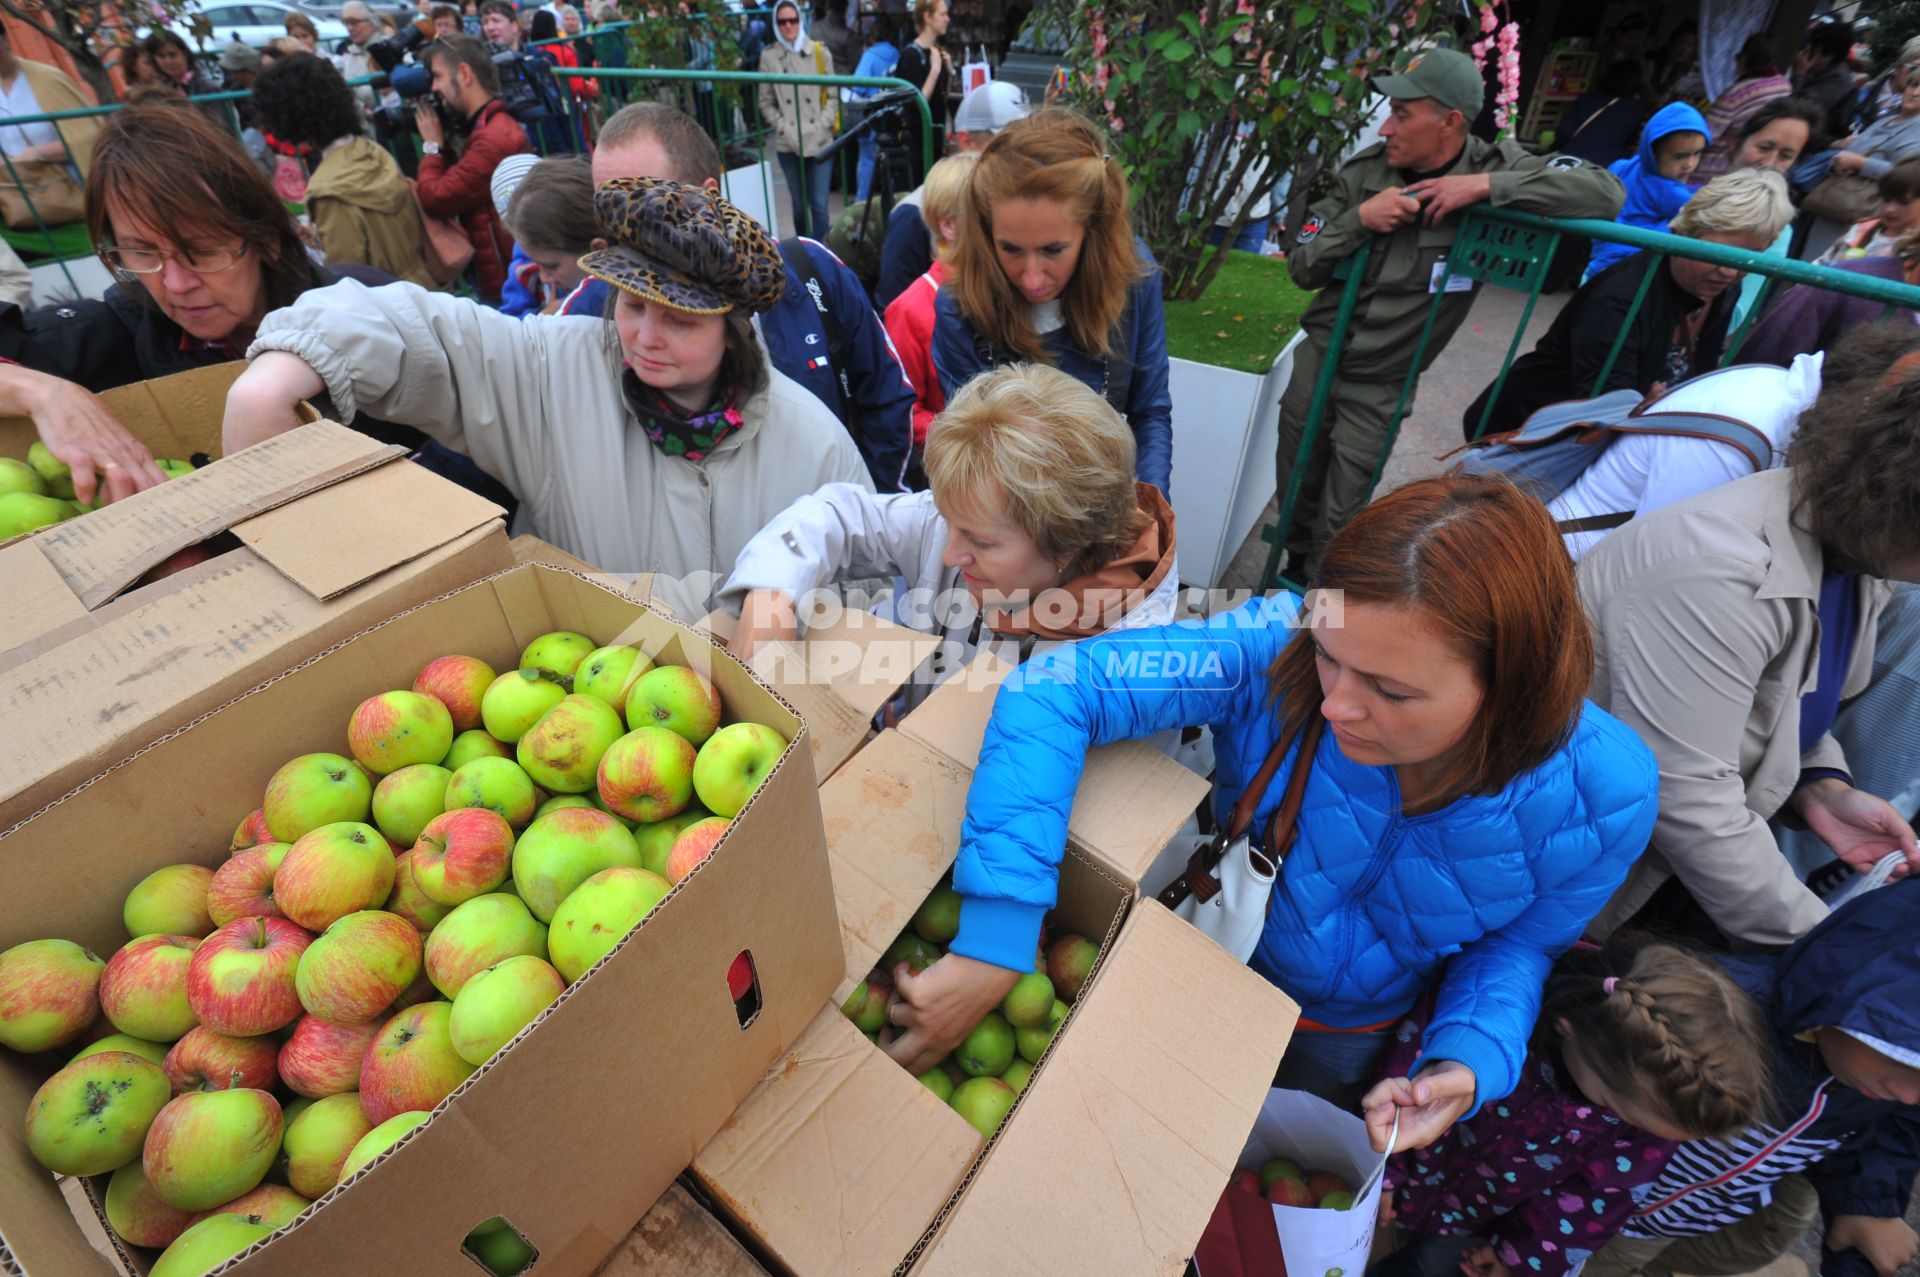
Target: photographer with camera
[467,84]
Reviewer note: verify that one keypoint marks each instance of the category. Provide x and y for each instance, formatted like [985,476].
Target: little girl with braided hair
[1639,1046]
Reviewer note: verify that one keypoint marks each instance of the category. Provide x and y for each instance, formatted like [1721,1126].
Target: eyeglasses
[149,261]
[786,22]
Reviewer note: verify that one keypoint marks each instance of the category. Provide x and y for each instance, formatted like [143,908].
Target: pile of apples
[384,925]
[1284,1182]
[986,1073]
[38,492]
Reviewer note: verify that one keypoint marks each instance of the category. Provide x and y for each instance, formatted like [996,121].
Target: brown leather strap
[1286,822]
[1200,879]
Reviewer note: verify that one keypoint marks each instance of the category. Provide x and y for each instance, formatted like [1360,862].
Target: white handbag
[1228,880]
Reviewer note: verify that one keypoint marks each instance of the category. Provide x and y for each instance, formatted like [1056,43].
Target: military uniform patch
[1565,162]
[1313,226]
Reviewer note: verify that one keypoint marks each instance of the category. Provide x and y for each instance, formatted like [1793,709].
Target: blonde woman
[1034,532]
[910,315]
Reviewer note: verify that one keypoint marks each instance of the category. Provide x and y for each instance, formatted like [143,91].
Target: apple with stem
[477,934]
[204,1060]
[170,901]
[676,698]
[647,775]
[412,1064]
[732,764]
[243,886]
[49,994]
[461,854]
[143,990]
[598,914]
[495,1004]
[354,970]
[333,871]
[92,1116]
[322,1059]
[561,850]
[458,682]
[317,1142]
[240,981]
[314,790]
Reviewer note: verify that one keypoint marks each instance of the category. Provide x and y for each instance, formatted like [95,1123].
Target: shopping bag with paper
[1313,1133]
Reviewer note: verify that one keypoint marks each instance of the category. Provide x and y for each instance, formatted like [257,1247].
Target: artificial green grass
[69,241]
[1243,319]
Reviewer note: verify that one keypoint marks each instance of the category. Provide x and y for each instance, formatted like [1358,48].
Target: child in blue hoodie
[1656,177]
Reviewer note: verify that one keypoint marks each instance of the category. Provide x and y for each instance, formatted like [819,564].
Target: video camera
[885,118]
[528,88]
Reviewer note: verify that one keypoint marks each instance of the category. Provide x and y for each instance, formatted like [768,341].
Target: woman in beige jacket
[1728,629]
[658,439]
[801,117]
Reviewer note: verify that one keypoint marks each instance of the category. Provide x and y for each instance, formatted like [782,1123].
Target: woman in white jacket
[657,440]
[1034,532]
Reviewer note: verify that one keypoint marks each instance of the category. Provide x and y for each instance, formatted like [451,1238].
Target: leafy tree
[1894,25]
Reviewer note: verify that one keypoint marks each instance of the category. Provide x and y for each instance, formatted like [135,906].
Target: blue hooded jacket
[1652,200]
[1373,907]
[1858,971]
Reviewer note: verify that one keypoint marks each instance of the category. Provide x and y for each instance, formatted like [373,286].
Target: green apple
[609,673]
[405,800]
[656,840]
[23,512]
[988,1050]
[647,775]
[155,1051]
[314,790]
[208,1147]
[910,949]
[866,1006]
[380,1139]
[461,854]
[18,476]
[143,991]
[92,1116]
[560,802]
[501,1251]
[560,851]
[55,473]
[500,1001]
[676,698]
[398,729]
[479,933]
[409,901]
[358,966]
[458,682]
[1032,1042]
[1281,1168]
[317,1142]
[598,915]
[559,653]
[937,920]
[170,901]
[939,1083]
[562,751]
[1029,1001]
[332,871]
[174,469]
[1018,1074]
[135,1212]
[412,1064]
[733,763]
[472,744]
[49,994]
[515,701]
[984,1102]
[209,1244]
[499,785]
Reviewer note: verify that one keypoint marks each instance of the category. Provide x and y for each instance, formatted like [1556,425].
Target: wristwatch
[429,148]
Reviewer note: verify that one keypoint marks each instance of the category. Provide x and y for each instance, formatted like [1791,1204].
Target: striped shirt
[1710,1184]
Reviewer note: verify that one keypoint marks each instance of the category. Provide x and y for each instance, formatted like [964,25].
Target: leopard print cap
[685,247]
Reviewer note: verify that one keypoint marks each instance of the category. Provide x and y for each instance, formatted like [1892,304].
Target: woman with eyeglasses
[201,248]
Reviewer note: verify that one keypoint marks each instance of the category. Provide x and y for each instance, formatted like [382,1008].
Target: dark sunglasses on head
[786,22]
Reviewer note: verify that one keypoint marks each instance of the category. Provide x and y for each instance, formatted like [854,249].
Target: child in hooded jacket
[1656,176]
[1638,1046]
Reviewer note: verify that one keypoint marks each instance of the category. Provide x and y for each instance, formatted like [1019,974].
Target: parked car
[331,10]
[254,22]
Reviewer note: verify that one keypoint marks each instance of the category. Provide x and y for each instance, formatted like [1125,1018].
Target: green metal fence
[1501,248]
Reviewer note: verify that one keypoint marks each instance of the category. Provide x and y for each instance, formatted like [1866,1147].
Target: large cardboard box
[578,1127]
[841,1163]
[324,532]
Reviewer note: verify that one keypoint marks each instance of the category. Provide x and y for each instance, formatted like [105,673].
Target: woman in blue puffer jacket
[1466,814]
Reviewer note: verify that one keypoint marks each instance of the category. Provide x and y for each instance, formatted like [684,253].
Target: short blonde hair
[1039,448]
[1748,201]
[943,197]
[1909,52]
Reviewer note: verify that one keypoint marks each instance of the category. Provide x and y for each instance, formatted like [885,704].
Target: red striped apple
[251,832]
[499,1002]
[207,1061]
[314,790]
[405,801]
[477,934]
[458,682]
[143,991]
[135,1212]
[562,751]
[49,994]
[462,854]
[656,840]
[208,1147]
[733,763]
[648,774]
[92,1116]
[695,843]
[322,1059]
[561,850]
[355,969]
[676,698]
[333,871]
[497,784]
[412,1064]
[171,901]
[241,979]
[397,729]
[408,901]
[598,914]
[243,886]
[318,1140]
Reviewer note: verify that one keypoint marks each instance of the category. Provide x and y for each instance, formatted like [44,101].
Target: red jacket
[464,190]
[910,324]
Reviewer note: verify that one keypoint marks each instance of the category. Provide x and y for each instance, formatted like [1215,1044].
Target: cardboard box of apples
[389,990]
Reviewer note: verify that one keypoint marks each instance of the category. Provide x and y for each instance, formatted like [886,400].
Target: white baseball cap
[990,108]
[506,179]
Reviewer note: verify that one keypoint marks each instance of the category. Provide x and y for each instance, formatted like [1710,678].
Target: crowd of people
[1596,779]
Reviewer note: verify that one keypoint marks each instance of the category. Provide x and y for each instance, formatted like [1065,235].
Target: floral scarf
[691,438]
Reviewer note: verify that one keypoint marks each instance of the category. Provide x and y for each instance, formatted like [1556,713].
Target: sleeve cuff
[1493,1077]
[1003,932]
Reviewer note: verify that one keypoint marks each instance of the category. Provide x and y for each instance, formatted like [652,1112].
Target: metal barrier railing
[1515,250]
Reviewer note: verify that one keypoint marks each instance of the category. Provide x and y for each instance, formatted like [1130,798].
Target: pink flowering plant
[1500,39]
[1213,102]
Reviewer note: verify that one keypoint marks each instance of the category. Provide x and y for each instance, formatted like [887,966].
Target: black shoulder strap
[798,252]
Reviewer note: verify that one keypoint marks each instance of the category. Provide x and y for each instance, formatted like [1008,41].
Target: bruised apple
[562,751]
[497,784]
[399,729]
[598,915]
[92,1116]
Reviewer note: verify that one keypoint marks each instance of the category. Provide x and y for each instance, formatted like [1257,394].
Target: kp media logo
[1194,662]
